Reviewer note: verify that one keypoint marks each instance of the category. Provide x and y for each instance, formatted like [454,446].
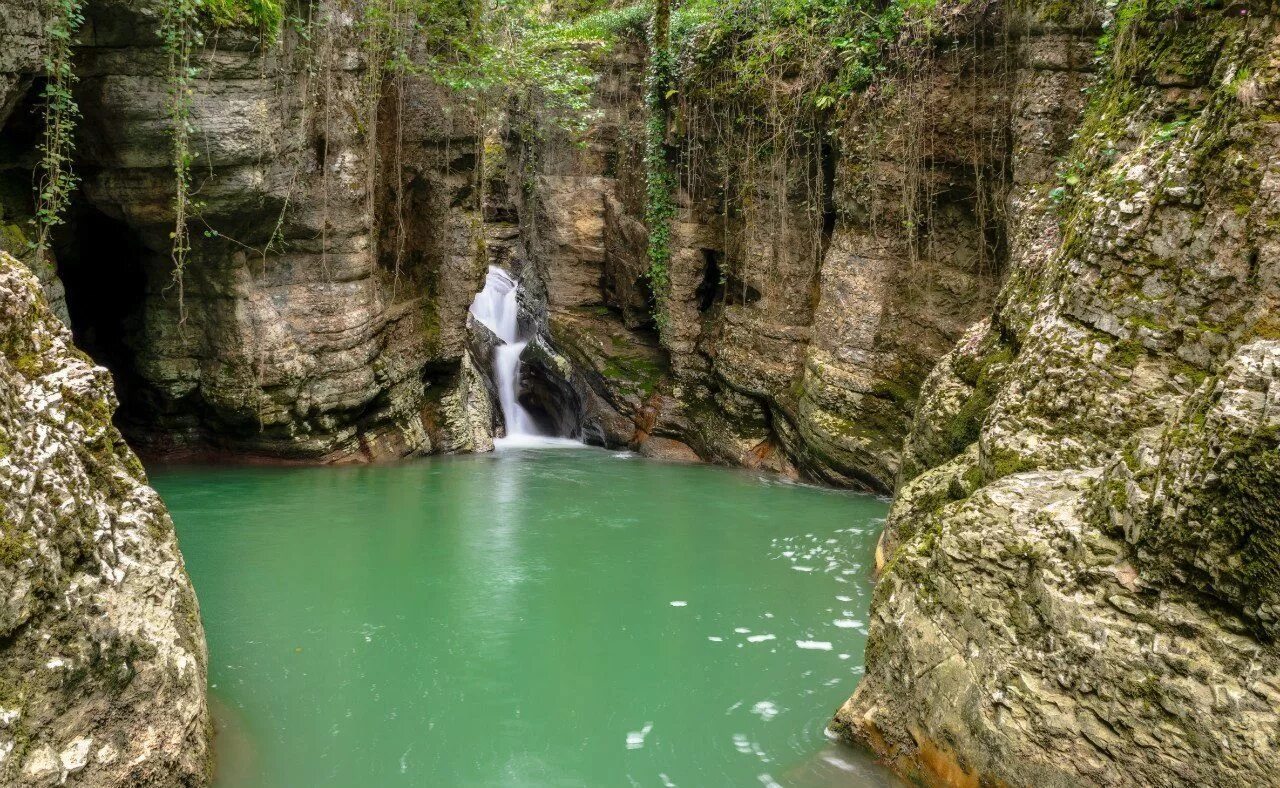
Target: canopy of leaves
[495,51]
[818,50]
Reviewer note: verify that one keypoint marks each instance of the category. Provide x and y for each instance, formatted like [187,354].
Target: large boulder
[102,656]
[1080,568]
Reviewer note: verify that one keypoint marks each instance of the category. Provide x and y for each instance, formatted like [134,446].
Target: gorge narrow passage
[438,327]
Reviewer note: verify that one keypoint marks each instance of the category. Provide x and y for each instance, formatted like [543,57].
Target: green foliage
[1071,175]
[491,53]
[57,179]
[265,15]
[532,58]
[834,47]
[611,23]
[1136,21]
[660,175]
[749,43]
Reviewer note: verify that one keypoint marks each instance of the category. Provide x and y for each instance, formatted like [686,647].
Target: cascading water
[496,307]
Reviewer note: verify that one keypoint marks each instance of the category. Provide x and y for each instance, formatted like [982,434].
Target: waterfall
[495,306]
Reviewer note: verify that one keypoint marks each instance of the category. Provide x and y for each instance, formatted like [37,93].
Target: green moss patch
[248,14]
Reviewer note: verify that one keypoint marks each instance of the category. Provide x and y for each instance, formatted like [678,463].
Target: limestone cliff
[319,312]
[821,265]
[102,656]
[1083,589]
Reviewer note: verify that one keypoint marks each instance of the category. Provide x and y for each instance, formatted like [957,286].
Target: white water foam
[765,710]
[497,307]
[635,739]
[814,645]
[535,442]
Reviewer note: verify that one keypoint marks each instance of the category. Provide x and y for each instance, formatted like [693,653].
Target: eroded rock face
[915,257]
[20,31]
[809,296]
[1080,569]
[102,656]
[320,312]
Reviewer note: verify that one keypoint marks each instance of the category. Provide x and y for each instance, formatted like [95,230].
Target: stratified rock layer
[1080,579]
[808,297]
[102,656]
[319,313]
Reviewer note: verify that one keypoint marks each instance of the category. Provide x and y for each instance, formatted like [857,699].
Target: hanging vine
[57,179]
[181,34]
[660,175]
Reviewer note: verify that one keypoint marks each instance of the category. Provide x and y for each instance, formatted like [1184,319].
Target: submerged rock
[102,656]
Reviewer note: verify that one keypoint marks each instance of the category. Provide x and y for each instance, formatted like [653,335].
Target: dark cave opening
[546,417]
[20,136]
[101,264]
[99,260]
[550,400]
[721,285]
[711,288]
[739,293]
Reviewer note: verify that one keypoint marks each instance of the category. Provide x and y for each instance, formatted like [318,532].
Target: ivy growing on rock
[660,176]
[57,179]
[743,94]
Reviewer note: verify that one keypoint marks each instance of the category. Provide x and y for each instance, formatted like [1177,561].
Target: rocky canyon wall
[102,656]
[820,265]
[1084,593]
[334,223]
[1027,280]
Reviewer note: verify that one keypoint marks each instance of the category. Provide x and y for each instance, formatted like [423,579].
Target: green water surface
[561,617]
